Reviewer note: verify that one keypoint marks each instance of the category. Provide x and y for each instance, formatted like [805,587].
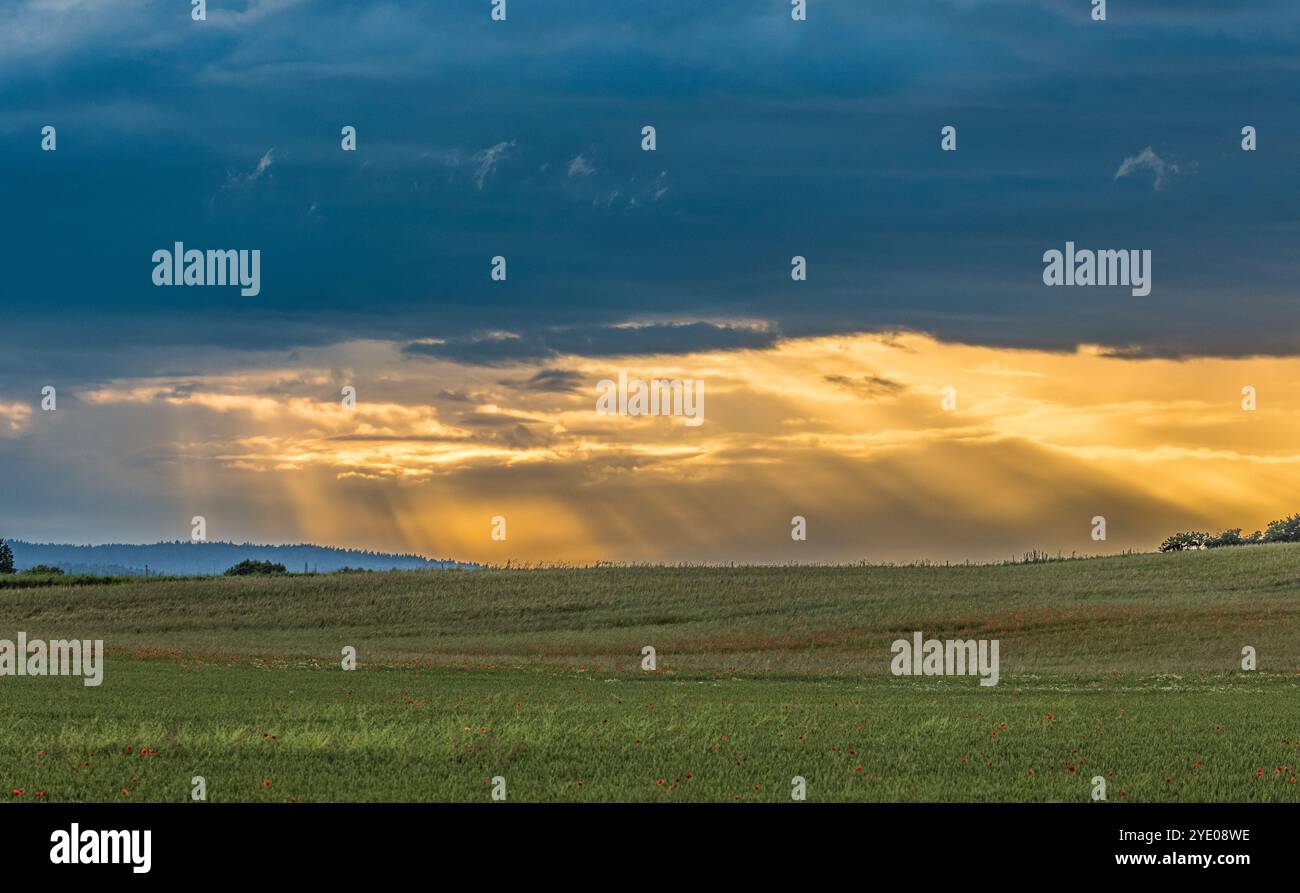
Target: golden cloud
[849,431]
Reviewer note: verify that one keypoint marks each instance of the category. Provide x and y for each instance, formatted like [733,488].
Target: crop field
[1127,668]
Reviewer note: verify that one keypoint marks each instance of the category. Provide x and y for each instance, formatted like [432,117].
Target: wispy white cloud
[233,178]
[581,167]
[1147,159]
[486,161]
[254,13]
[660,185]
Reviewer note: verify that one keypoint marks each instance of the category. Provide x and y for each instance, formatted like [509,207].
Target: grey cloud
[555,381]
[868,387]
[492,420]
[596,341]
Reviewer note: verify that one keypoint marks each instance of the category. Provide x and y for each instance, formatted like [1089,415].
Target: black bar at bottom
[503,841]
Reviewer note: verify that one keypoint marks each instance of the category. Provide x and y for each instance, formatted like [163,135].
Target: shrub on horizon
[249,567]
[1183,542]
[1227,538]
[1286,530]
[43,570]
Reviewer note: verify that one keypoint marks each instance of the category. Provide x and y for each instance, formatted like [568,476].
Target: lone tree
[248,566]
[6,558]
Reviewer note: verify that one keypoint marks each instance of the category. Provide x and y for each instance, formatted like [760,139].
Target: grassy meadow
[1125,667]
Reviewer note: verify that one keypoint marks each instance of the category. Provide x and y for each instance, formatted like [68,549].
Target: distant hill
[186,558]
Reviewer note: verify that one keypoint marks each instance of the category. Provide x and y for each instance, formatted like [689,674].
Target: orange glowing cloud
[893,447]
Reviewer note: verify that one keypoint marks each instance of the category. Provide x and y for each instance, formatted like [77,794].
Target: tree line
[1286,530]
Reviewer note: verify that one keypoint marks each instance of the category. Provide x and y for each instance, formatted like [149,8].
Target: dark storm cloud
[775,138]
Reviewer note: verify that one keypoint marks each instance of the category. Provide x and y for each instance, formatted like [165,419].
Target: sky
[476,398]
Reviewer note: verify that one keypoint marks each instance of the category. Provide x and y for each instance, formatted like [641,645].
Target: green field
[1126,667]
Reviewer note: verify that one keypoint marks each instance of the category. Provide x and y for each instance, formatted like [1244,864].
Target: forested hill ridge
[187,558]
